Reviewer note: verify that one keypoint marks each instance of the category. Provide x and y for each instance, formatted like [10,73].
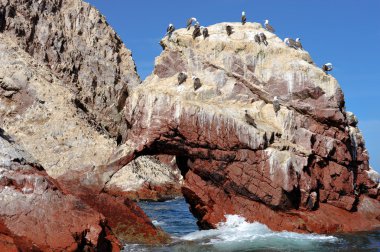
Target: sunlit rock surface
[64,78]
[269,170]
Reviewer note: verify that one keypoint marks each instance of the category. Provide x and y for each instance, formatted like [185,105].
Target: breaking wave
[236,234]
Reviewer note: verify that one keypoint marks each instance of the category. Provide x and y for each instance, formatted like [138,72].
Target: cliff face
[49,50]
[304,168]
[74,40]
[33,208]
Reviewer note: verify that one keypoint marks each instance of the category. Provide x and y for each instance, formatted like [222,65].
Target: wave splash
[237,234]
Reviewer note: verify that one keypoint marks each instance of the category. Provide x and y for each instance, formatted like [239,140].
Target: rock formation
[74,40]
[71,103]
[148,178]
[70,123]
[305,169]
[33,208]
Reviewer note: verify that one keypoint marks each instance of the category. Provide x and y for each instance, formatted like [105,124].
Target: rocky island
[82,138]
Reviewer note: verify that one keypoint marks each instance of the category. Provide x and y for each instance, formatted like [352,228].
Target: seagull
[190,21]
[268,27]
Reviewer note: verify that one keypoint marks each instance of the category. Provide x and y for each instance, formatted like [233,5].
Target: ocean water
[238,235]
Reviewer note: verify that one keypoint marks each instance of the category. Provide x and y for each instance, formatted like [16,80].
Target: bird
[276,105]
[243,18]
[181,78]
[298,44]
[204,32]
[170,29]
[197,83]
[257,38]
[268,27]
[263,38]
[249,119]
[290,42]
[229,30]
[327,67]
[197,30]
[190,21]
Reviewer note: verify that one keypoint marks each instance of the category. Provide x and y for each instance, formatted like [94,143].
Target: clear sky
[344,32]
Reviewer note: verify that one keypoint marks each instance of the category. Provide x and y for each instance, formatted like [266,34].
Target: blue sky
[344,32]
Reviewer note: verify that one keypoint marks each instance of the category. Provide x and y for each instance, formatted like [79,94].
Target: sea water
[236,234]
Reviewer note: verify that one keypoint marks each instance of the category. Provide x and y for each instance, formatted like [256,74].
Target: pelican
[170,29]
[197,30]
[257,38]
[263,38]
[276,105]
[181,78]
[243,18]
[229,30]
[197,83]
[268,26]
[327,67]
[290,42]
[204,32]
[298,44]
[190,21]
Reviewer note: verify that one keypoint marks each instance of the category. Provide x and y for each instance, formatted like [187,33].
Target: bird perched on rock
[276,105]
[327,67]
[170,30]
[268,27]
[190,22]
[311,203]
[204,32]
[263,38]
[197,83]
[298,44]
[197,30]
[249,119]
[229,30]
[181,78]
[257,38]
[290,42]
[243,18]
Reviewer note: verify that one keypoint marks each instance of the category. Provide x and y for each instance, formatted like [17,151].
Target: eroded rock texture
[64,77]
[77,44]
[304,168]
[35,215]
[148,178]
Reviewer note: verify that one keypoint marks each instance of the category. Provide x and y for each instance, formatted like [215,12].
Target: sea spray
[237,234]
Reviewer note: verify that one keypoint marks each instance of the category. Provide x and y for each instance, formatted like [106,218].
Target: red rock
[37,216]
[266,171]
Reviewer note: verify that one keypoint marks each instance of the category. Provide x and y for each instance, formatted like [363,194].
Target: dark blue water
[173,216]
[238,235]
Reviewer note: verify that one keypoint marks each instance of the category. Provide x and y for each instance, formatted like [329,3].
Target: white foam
[158,223]
[236,232]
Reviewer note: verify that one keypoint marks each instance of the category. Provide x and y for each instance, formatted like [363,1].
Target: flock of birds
[259,38]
